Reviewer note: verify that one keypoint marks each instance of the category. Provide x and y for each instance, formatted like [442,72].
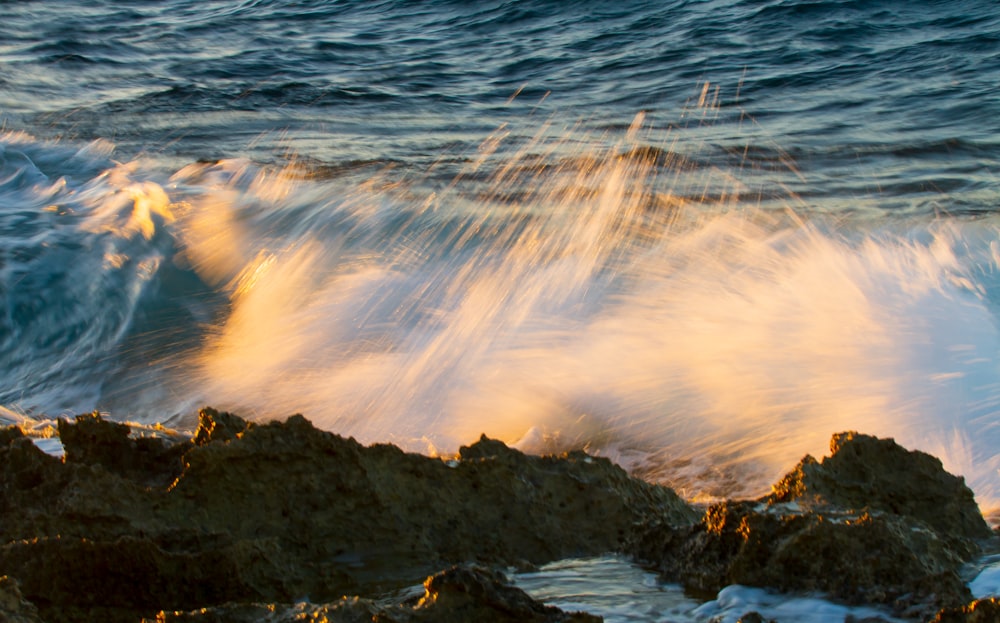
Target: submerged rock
[459,595]
[873,523]
[280,512]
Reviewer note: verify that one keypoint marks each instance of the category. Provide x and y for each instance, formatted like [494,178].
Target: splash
[77,255]
[617,296]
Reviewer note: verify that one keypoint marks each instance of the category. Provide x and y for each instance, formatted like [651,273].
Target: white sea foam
[735,601]
[708,344]
[621,592]
[565,295]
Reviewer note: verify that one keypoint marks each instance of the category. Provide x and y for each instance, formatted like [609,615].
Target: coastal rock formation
[125,527]
[13,607]
[873,523]
[979,611]
[459,595]
[879,474]
[244,517]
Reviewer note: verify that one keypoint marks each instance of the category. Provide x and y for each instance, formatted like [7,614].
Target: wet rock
[91,440]
[76,579]
[216,426]
[487,448]
[846,527]
[979,611]
[13,607]
[280,512]
[858,560]
[457,595]
[878,474]
[474,594]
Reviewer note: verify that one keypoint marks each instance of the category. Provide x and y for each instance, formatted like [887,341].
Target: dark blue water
[872,99]
[699,237]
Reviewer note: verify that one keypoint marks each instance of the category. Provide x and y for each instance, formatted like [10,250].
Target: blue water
[698,237]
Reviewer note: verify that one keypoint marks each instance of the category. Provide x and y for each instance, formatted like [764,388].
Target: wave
[554,302]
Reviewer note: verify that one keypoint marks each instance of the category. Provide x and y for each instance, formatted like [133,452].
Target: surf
[616,293]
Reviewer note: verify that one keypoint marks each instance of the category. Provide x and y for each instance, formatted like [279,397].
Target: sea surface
[698,237]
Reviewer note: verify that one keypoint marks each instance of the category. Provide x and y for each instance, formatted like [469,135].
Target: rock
[458,595]
[13,607]
[216,426]
[878,474]
[345,610]
[127,527]
[855,559]
[487,448]
[282,511]
[861,527]
[148,461]
[979,611]
[473,594]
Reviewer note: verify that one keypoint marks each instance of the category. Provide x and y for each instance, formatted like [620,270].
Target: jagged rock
[856,559]
[867,472]
[282,511]
[487,448]
[979,611]
[13,607]
[125,527]
[846,527]
[344,610]
[457,595]
[92,440]
[472,594]
[216,426]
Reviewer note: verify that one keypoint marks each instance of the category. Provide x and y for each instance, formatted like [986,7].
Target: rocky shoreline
[279,521]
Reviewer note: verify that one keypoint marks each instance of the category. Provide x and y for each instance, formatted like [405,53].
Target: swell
[601,300]
[706,342]
[83,258]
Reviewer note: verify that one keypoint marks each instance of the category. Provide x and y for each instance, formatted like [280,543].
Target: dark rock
[148,461]
[486,448]
[845,527]
[126,527]
[876,560]
[216,426]
[13,607]
[77,579]
[473,594]
[979,611]
[282,511]
[23,468]
[345,610]
[878,474]
[459,595]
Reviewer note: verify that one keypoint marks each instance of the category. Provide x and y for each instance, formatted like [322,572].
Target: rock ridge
[874,523]
[280,512]
[281,517]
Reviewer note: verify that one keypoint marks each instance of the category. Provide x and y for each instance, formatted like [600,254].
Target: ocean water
[698,237]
